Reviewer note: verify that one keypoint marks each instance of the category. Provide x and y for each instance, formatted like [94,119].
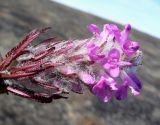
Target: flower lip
[94,29]
[135,46]
[102,90]
[111,63]
[121,93]
[114,54]
[112,27]
[111,30]
[130,47]
[133,82]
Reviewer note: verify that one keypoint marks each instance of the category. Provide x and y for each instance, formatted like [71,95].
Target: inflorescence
[105,63]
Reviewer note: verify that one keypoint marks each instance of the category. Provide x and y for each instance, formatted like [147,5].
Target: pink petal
[113,30]
[134,92]
[102,90]
[133,82]
[93,50]
[111,82]
[104,34]
[107,66]
[125,34]
[122,92]
[114,54]
[130,47]
[94,29]
[86,78]
[124,63]
[114,72]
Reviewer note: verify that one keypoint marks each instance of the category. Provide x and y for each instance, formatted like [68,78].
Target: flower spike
[106,63]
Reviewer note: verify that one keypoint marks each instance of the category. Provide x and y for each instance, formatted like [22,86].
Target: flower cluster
[117,58]
[106,63]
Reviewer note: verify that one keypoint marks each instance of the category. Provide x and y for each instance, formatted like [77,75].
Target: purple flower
[94,55]
[133,82]
[102,90]
[125,34]
[113,63]
[130,48]
[129,81]
[122,91]
[94,29]
[110,30]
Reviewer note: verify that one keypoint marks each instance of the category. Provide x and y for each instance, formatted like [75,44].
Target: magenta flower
[122,91]
[129,47]
[109,31]
[113,63]
[106,63]
[133,82]
[102,90]
[93,53]
[94,29]
[125,34]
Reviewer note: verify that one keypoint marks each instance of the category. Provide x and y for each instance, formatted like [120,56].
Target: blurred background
[143,14]
[18,17]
